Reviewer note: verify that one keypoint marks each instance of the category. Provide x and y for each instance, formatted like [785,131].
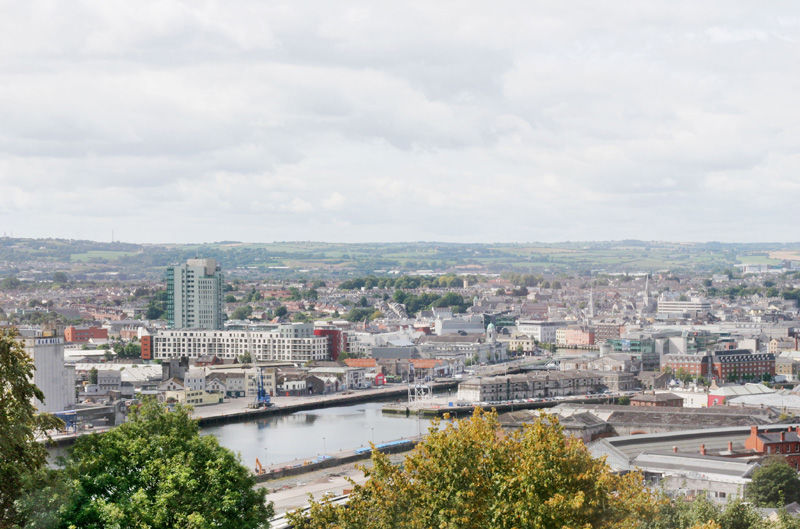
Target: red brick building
[785,443]
[741,364]
[336,340]
[147,347]
[576,335]
[84,334]
[725,366]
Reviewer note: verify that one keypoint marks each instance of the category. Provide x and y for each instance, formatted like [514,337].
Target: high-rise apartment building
[194,295]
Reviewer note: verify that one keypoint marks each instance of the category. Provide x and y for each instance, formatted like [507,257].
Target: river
[306,434]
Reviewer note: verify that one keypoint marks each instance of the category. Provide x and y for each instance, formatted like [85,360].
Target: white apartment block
[56,380]
[540,330]
[676,307]
[292,342]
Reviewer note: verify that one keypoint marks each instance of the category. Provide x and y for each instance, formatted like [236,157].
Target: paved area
[292,492]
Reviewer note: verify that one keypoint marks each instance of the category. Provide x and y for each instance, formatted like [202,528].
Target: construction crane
[259,467]
[262,399]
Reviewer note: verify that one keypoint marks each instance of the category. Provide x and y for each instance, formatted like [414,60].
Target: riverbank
[437,406]
[236,410]
[345,457]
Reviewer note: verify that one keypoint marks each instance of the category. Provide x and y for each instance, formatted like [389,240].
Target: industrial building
[56,380]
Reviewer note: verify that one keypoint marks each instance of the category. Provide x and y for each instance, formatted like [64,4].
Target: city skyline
[357,123]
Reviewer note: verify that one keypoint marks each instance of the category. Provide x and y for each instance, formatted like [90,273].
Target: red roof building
[785,443]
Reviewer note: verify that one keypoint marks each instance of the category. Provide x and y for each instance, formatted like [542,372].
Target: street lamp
[324,447]
[372,429]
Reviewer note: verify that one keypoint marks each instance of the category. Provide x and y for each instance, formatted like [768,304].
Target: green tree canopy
[471,474]
[20,453]
[701,512]
[156,471]
[242,313]
[774,484]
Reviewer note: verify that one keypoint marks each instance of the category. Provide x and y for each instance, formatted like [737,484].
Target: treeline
[416,302]
[523,280]
[408,282]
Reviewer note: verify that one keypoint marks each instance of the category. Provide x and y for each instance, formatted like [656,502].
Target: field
[95,255]
[340,260]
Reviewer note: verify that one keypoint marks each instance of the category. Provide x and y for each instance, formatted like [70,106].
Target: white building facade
[292,342]
[56,380]
[540,330]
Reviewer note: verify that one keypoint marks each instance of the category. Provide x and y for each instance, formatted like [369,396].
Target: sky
[350,121]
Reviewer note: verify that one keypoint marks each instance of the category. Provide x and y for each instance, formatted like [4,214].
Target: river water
[307,434]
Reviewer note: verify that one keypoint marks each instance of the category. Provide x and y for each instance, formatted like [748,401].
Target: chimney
[675,449]
[783,436]
[702,450]
[730,446]
[753,431]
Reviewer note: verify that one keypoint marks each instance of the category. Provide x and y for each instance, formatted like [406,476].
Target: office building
[194,295]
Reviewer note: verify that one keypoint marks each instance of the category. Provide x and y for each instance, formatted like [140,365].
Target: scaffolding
[419,392]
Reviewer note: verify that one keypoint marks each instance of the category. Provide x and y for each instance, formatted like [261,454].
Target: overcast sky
[376,121]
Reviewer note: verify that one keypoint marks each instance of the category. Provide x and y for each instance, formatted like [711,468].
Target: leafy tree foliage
[702,513]
[359,314]
[154,472]
[157,306]
[20,453]
[128,350]
[10,283]
[470,474]
[774,484]
[242,313]
[405,282]
[281,312]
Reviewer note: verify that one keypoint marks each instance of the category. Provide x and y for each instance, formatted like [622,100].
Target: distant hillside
[285,259]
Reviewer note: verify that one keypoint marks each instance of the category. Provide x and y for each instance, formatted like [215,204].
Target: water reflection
[305,435]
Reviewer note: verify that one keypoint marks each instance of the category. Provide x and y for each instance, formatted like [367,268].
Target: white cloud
[354,121]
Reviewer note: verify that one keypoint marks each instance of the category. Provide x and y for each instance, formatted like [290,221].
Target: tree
[131,350]
[242,313]
[245,357]
[10,283]
[359,314]
[774,484]
[281,312]
[20,453]
[153,312]
[156,471]
[230,298]
[60,277]
[93,375]
[701,513]
[470,474]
